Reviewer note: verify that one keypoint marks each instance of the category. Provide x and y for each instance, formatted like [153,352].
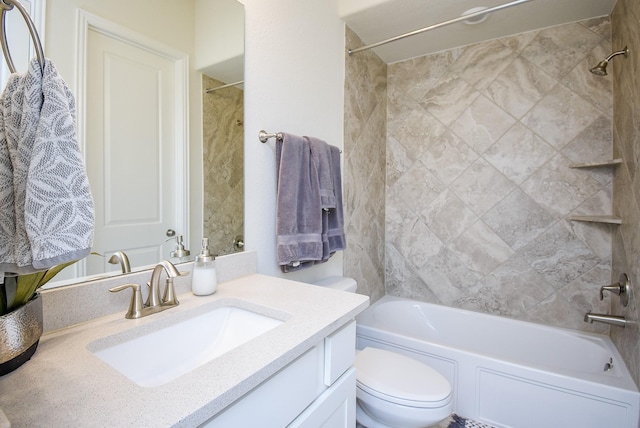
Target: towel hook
[6,5]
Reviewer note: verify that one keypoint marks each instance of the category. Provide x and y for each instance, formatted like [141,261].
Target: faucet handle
[135,307]
[613,288]
[169,298]
[621,288]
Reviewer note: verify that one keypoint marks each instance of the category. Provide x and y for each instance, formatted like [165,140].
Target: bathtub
[509,373]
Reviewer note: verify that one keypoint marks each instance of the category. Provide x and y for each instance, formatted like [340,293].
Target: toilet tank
[338,283]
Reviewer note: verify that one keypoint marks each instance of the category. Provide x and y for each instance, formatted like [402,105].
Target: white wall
[21,45]
[294,73]
[219,38]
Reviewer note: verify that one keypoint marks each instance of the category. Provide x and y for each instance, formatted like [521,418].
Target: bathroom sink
[153,355]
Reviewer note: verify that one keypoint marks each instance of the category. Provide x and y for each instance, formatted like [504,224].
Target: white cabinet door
[335,408]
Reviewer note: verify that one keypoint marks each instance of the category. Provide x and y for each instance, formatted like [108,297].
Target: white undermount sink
[161,354]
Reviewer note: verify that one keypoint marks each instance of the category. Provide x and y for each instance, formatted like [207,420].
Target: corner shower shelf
[609,219]
[610,162]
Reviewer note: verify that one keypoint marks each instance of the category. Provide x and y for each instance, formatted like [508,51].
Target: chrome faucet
[153,299]
[154,303]
[121,257]
[604,318]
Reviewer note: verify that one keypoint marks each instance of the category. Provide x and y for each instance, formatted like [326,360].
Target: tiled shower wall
[364,168]
[626,137]
[223,153]
[479,188]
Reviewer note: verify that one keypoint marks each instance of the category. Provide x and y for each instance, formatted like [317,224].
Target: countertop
[65,385]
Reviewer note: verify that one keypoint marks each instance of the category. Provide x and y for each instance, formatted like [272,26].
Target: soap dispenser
[204,280]
[179,252]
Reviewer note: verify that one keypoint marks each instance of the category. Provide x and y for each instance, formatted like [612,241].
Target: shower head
[601,68]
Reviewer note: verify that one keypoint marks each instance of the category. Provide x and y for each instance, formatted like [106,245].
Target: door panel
[130,149]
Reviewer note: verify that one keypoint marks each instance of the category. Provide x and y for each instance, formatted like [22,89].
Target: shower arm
[624,52]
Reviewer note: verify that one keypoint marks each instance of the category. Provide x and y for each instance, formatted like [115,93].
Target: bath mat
[459,422]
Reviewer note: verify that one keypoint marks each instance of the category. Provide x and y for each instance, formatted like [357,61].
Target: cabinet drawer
[339,352]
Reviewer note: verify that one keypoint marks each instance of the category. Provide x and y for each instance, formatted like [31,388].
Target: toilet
[393,390]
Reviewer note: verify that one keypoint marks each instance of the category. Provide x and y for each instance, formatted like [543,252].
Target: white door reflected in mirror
[131,149]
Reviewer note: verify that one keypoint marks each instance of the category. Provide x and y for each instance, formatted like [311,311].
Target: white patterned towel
[46,208]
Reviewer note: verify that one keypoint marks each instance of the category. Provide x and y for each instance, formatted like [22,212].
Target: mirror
[223,157]
[208,161]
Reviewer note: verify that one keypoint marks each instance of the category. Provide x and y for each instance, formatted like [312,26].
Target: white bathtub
[509,373]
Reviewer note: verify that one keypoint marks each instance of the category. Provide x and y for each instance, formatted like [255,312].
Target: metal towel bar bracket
[6,5]
[264,136]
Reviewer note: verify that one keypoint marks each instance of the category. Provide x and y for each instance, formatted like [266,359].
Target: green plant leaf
[17,291]
[27,286]
[53,272]
[9,289]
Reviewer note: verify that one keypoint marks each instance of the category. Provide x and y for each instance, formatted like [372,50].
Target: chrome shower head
[601,68]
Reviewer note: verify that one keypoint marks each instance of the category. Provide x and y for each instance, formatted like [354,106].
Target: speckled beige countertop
[65,385]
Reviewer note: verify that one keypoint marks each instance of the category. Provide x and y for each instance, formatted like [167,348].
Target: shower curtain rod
[438,25]
[228,85]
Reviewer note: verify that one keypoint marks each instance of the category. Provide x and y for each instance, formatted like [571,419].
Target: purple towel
[333,238]
[336,236]
[309,218]
[321,156]
[298,209]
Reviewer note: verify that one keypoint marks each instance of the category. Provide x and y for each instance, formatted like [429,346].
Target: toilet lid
[399,377]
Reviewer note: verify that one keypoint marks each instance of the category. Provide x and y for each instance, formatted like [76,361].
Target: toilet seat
[402,380]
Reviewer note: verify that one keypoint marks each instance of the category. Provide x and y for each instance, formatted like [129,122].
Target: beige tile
[558,49]
[560,116]
[482,123]
[481,249]
[595,89]
[417,188]
[559,256]
[558,188]
[449,98]
[519,153]
[438,216]
[479,63]
[447,157]
[481,186]
[518,220]
[519,87]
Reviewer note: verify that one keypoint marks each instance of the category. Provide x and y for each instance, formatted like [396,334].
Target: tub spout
[604,318]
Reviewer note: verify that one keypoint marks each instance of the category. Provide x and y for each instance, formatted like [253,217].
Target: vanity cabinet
[318,389]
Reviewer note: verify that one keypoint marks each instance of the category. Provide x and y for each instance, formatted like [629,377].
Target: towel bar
[264,136]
